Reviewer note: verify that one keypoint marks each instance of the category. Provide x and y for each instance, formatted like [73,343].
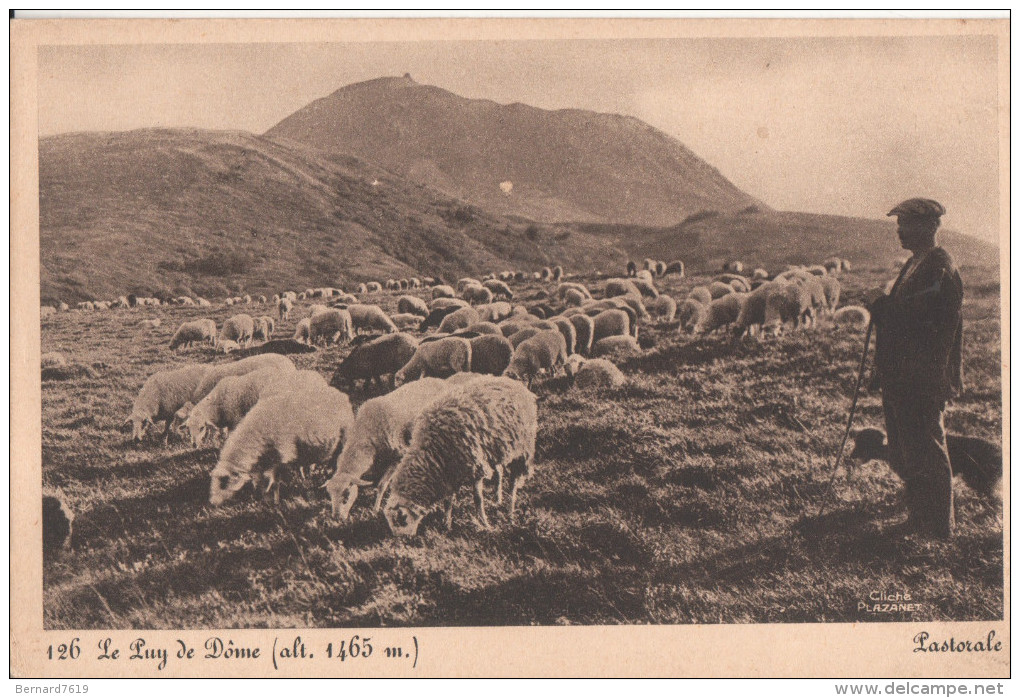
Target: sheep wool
[483,429]
[292,429]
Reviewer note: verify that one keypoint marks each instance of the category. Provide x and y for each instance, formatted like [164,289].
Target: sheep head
[403,516]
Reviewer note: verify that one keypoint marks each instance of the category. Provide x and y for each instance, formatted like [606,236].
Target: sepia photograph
[476,325]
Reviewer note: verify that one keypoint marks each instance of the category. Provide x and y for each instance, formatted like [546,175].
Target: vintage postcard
[509,347]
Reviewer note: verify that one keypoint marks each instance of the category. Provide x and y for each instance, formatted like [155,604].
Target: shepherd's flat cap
[919,208]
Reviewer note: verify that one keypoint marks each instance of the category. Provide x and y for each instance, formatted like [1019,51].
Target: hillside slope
[151,210]
[564,165]
[772,239]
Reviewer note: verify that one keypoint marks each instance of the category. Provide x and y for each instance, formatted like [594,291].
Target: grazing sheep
[239,328]
[845,266]
[484,327]
[701,294]
[437,315]
[459,319]
[448,303]
[264,328]
[162,395]
[227,404]
[575,298]
[316,308]
[660,269]
[440,359]
[645,287]
[381,434]
[373,287]
[833,265]
[618,344]
[584,330]
[718,289]
[631,268]
[545,274]
[361,289]
[852,316]
[370,318]
[496,311]
[226,346]
[484,429]
[621,287]
[406,321]
[247,299]
[691,314]
[467,281]
[63,307]
[735,267]
[791,304]
[477,295]
[514,325]
[563,288]
[490,354]
[330,326]
[675,267]
[283,307]
[541,311]
[976,461]
[412,305]
[375,359]
[443,291]
[832,288]
[214,374]
[569,332]
[499,289]
[557,273]
[636,306]
[303,331]
[760,275]
[289,429]
[543,352]
[598,373]
[753,309]
[523,335]
[646,275]
[203,302]
[57,524]
[721,313]
[664,308]
[280,346]
[609,323]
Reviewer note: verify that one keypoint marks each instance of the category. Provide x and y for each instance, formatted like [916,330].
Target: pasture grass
[689,495]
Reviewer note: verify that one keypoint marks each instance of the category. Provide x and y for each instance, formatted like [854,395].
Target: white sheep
[721,312]
[226,346]
[203,330]
[490,354]
[218,372]
[443,291]
[496,311]
[477,295]
[406,321]
[292,429]
[227,404]
[440,358]
[380,436]
[413,305]
[545,351]
[459,319]
[499,289]
[621,287]
[608,323]
[162,395]
[665,308]
[573,297]
[329,326]
[239,328]
[598,373]
[484,429]
[701,294]
[373,287]
[584,329]
[370,318]
[618,344]
[303,331]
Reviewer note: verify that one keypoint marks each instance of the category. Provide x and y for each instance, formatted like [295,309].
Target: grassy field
[689,495]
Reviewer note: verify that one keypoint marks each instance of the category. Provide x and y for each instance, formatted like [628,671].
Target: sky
[847,126]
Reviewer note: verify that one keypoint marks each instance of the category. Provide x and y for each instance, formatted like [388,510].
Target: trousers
[918,454]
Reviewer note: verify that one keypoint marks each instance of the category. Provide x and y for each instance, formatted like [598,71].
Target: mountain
[192,211]
[565,165]
[772,239]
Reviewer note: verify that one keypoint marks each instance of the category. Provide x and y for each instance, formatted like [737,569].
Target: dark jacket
[919,329]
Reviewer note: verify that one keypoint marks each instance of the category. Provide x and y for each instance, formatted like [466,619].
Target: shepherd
[919,335]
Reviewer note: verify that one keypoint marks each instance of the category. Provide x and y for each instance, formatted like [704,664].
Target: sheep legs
[480,502]
[448,513]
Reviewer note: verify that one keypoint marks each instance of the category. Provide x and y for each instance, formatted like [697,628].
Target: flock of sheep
[455,371]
